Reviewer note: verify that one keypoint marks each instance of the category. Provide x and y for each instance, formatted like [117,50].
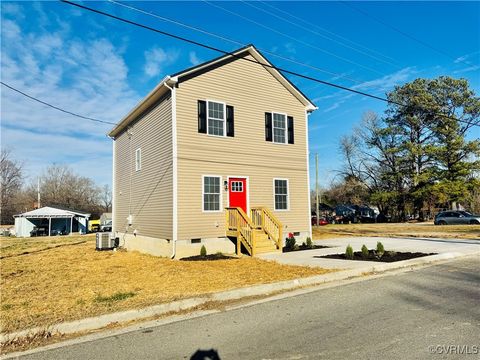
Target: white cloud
[334,106]
[467,69]
[14,9]
[86,77]
[157,58]
[465,57]
[194,60]
[290,48]
[387,82]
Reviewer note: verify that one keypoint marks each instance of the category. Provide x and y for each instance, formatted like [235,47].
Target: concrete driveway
[338,245]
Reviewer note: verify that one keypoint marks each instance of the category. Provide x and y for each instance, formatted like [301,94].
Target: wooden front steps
[260,233]
[263,243]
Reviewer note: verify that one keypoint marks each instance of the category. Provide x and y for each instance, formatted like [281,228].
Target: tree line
[417,157]
[59,186]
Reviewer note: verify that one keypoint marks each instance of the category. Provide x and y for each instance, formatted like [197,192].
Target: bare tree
[11,180]
[106,197]
[60,186]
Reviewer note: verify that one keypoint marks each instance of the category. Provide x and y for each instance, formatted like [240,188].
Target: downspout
[309,200]
[114,230]
[174,163]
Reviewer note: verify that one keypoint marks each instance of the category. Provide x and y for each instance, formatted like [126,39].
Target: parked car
[456,218]
[344,214]
[107,226]
[39,231]
[321,221]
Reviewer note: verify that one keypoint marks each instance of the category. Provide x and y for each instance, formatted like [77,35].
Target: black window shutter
[290,130]
[202,116]
[230,121]
[268,126]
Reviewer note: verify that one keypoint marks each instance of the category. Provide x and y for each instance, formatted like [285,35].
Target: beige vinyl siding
[151,196]
[252,91]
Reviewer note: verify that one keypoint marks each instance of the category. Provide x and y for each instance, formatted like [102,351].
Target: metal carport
[59,220]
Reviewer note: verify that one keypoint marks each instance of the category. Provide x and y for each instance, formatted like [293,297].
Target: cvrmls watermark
[456,349]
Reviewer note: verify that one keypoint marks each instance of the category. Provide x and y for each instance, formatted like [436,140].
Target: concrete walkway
[338,245]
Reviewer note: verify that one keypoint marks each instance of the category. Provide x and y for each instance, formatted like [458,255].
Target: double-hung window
[279,128]
[281,194]
[216,118]
[211,193]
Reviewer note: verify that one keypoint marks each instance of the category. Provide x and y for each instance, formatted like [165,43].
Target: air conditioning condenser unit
[105,241]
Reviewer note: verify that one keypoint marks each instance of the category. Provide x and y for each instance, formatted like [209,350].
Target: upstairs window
[279,128]
[280,194]
[138,159]
[216,118]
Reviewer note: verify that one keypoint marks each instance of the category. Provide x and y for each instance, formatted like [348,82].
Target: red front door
[237,192]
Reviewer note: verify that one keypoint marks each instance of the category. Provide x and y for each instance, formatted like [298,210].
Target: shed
[50,221]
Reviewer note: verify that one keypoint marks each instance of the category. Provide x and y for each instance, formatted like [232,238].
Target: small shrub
[380,248]
[304,244]
[203,251]
[349,252]
[290,242]
[364,252]
[309,243]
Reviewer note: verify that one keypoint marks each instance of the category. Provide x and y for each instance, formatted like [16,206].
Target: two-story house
[215,155]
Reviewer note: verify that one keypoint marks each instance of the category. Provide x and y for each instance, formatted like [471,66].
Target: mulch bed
[210,257]
[388,256]
[301,248]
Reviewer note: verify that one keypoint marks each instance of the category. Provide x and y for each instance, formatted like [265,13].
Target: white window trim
[288,194]
[220,208]
[138,159]
[224,118]
[285,131]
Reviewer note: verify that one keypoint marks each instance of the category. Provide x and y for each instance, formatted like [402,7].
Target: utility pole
[316,189]
[38,193]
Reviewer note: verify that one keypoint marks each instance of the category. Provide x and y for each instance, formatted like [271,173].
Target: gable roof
[184,75]
[49,212]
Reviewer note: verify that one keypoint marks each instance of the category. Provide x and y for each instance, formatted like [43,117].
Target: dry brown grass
[427,230]
[54,284]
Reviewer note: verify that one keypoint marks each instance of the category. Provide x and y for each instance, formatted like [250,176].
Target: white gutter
[113,187]
[174,165]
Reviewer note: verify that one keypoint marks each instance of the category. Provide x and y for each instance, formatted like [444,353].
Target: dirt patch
[56,284]
[387,256]
[209,257]
[302,248]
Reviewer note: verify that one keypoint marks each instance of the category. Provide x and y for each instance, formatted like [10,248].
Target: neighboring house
[105,218]
[48,221]
[215,155]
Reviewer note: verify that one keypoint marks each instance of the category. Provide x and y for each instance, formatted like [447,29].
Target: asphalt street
[429,313]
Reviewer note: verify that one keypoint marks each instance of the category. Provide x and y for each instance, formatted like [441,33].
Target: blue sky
[100,68]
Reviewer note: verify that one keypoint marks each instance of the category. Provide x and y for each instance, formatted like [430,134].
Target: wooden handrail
[263,218]
[238,221]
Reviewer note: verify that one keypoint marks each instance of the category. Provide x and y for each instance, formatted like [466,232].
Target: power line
[55,107]
[440,51]
[265,65]
[294,38]
[317,33]
[176,22]
[220,50]
[325,30]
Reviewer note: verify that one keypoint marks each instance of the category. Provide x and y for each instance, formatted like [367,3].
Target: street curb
[94,323]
